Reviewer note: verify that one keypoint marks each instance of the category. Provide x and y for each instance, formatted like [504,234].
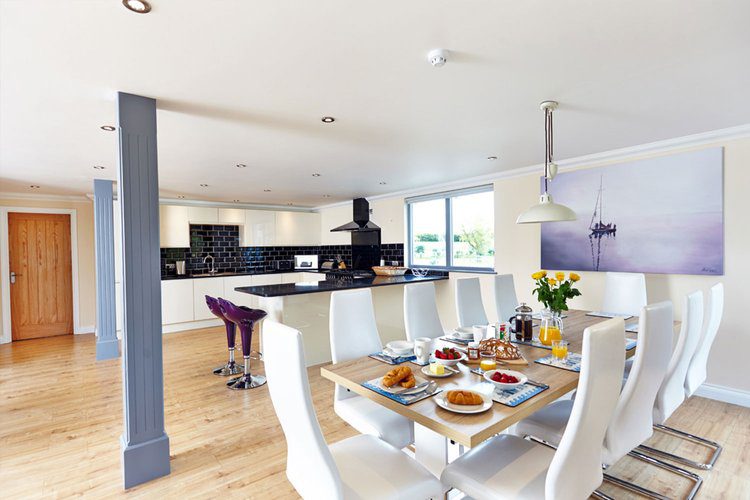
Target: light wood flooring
[61,418]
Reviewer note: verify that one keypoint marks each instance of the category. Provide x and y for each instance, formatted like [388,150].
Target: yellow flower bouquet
[554,291]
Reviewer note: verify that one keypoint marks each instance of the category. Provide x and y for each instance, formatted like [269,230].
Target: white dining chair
[359,467]
[469,305]
[696,373]
[354,334]
[421,317]
[624,293]
[672,391]
[507,466]
[506,300]
[632,421]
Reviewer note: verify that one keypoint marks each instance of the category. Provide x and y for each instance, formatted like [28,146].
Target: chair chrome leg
[696,439]
[600,495]
[695,478]
[540,441]
[634,487]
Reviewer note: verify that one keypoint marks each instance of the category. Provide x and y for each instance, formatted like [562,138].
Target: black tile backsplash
[222,242]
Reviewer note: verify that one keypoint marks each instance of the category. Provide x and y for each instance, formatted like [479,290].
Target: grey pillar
[145,444]
[104,236]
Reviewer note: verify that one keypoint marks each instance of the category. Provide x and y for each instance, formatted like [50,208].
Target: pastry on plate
[464,398]
[397,375]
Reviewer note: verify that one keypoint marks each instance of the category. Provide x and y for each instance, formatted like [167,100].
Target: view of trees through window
[470,230]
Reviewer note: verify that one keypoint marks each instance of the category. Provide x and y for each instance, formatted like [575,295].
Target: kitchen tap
[212,269]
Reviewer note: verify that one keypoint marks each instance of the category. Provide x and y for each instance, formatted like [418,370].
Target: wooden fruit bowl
[390,270]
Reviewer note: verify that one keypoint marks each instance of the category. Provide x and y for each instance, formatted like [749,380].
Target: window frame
[447,197]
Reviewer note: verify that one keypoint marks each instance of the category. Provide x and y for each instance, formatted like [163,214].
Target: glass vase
[551,328]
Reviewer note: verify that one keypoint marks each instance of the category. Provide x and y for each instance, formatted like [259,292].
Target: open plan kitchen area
[358,251]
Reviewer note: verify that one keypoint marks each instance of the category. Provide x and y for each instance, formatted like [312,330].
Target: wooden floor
[61,418]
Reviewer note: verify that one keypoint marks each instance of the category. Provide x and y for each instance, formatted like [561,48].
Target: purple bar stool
[231,368]
[245,318]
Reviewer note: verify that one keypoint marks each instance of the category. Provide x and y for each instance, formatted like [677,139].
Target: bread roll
[464,398]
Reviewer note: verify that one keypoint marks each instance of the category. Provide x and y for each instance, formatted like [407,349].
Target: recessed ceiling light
[34,186]
[137,6]
[108,128]
[382,183]
[236,201]
[204,185]
[181,196]
[241,165]
[326,196]
[290,203]
[328,119]
[266,190]
[316,175]
[99,167]
[492,158]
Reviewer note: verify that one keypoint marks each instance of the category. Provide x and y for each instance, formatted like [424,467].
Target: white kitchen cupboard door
[176,301]
[202,287]
[260,228]
[297,228]
[203,215]
[174,229]
[235,217]
[241,299]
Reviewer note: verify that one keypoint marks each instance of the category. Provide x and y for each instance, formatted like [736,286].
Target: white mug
[423,349]
[480,332]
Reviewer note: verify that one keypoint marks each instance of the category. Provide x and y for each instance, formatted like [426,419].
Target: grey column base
[107,349]
[144,461]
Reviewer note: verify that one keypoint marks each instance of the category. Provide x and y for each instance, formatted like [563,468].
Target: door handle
[13,277]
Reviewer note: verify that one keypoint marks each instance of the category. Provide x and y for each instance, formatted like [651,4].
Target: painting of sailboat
[656,215]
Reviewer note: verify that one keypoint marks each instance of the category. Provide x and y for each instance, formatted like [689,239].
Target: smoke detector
[438,57]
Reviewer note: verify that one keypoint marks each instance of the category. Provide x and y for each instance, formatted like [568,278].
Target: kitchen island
[305,305]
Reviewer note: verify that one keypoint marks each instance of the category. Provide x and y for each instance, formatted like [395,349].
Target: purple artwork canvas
[657,215]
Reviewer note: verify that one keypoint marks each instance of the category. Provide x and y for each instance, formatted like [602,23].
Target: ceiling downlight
[137,6]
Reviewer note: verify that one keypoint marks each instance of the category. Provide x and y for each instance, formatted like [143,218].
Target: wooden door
[41,294]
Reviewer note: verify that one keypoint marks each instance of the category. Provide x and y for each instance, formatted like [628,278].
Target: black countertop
[333,286]
[166,277]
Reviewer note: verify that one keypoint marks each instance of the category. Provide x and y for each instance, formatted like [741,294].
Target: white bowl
[400,347]
[499,385]
[448,362]
[465,332]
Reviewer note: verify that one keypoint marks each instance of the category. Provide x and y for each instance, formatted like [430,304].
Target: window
[452,230]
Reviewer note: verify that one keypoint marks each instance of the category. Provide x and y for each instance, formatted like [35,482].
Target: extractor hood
[361,220]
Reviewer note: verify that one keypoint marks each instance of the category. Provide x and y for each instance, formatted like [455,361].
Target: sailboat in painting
[599,227]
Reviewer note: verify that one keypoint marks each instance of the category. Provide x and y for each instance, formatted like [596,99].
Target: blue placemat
[458,341]
[515,397]
[380,356]
[532,344]
[571,363]
[631,328]
[604,314]
[405,399]
[630,343]
[419,363]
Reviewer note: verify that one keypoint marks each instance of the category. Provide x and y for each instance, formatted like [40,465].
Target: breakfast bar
[304,306]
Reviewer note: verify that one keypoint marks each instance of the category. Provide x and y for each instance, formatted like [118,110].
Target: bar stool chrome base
[246,382]
[228,369]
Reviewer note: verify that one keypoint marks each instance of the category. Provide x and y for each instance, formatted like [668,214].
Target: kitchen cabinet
[202,287]
[174,226]
[236,217]
[297,228]
[203,215]
[241,299]
[260,228]
[176,301]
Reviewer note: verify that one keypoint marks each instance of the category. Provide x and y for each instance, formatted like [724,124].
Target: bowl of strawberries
[505,379]
[448,356]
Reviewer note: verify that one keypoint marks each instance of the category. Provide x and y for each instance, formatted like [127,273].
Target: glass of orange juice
[560,349]
[487,360]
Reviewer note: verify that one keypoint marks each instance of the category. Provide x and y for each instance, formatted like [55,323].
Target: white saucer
[443,403]
[426,371]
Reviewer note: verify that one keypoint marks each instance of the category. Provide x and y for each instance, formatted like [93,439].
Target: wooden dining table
[434,426]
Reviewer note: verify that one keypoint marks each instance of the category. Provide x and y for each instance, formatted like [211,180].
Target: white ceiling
[248,81]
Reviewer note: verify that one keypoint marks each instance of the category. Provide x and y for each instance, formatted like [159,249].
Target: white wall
[517,250]
[388,213]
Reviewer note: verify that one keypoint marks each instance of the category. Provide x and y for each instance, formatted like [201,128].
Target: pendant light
[547,210]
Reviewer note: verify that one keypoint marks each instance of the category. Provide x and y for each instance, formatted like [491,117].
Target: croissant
[396,375]
[465,398]
[409,381]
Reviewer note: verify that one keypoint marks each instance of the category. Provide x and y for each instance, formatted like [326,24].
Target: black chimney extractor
[361,222]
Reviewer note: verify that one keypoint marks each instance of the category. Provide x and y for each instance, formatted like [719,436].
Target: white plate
[443,403]
[397,389]
[400,347]
[464,332]
[426,371]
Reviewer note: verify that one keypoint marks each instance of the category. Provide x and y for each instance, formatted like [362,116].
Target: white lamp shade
[546,211]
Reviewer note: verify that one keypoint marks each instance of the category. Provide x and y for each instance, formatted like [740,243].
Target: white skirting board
[190,325]
[725,394]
